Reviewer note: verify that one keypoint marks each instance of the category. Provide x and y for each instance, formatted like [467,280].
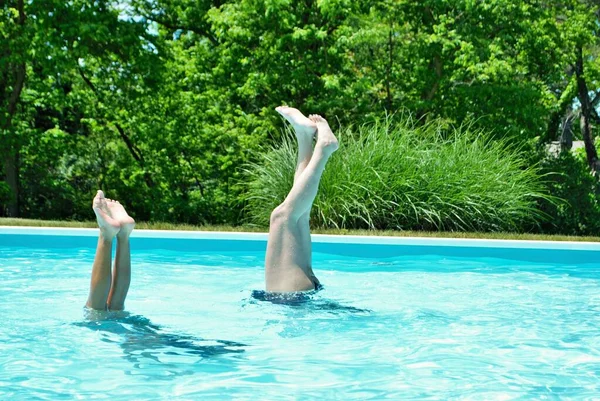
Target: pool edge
[317,238]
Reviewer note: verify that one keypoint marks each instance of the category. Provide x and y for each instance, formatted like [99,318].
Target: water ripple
[397,328]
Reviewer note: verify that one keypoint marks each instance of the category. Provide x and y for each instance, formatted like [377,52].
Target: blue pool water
[392,323]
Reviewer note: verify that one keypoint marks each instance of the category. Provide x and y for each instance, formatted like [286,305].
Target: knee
[281,215]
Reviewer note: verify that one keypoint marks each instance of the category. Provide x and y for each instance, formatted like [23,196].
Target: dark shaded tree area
[161,103]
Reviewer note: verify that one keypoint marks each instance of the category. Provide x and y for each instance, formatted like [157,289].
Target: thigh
[287,262]
[304,237]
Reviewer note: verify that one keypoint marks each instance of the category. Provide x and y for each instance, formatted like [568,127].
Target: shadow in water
[306,300]
[143,341]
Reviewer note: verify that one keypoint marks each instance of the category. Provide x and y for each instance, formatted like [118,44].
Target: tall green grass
[397,174]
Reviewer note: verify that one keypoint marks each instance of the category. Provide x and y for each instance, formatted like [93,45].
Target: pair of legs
[108,289]
[288,265]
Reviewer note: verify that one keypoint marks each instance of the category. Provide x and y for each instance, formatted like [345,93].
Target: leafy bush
[570,180]
[397,174]
[46,191]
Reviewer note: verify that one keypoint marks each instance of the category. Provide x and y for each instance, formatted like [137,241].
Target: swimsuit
[287,298]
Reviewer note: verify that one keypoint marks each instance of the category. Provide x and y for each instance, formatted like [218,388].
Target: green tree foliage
[492,61]
[58,43]
[162,102]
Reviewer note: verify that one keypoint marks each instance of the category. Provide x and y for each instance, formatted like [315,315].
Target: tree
[53,51]
[13,70]
[582,32]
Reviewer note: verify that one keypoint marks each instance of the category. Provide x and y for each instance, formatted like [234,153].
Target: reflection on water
[304,299]
[144,342]
[305,313]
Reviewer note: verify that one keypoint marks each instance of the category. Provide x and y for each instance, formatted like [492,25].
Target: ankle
[106,237]
[123,236]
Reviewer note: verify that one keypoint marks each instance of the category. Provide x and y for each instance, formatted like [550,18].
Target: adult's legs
[121,277]
[288,259]
[305,131]
[302,195]
[101,275]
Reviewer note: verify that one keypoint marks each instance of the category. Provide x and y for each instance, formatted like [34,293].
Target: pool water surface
[426,327]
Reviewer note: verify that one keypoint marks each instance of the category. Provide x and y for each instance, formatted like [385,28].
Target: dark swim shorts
[287,298]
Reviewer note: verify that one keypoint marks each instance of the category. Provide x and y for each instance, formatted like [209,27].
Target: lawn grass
[389,233]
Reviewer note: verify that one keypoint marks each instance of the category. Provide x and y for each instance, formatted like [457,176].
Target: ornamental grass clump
[398,174]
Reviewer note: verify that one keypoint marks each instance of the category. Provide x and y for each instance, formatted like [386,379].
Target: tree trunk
[436,65]
[11,159]
[11,169]
[566,135]
[584,121]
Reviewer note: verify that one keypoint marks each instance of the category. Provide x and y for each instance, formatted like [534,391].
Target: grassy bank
[391,233]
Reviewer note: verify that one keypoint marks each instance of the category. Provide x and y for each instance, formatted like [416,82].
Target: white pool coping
[320,238]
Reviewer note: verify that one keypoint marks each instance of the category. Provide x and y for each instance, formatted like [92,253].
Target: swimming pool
[398,319]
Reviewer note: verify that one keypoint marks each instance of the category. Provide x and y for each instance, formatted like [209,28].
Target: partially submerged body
[108,289]
[288,264]
[288,261]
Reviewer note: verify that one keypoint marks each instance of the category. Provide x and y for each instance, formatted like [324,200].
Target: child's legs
[121,275]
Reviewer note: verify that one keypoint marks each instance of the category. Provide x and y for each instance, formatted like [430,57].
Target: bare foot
[119,214]
[302,125]
[109,227]
[325,138]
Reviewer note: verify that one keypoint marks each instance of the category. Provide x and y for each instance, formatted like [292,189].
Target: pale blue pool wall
[352,246]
